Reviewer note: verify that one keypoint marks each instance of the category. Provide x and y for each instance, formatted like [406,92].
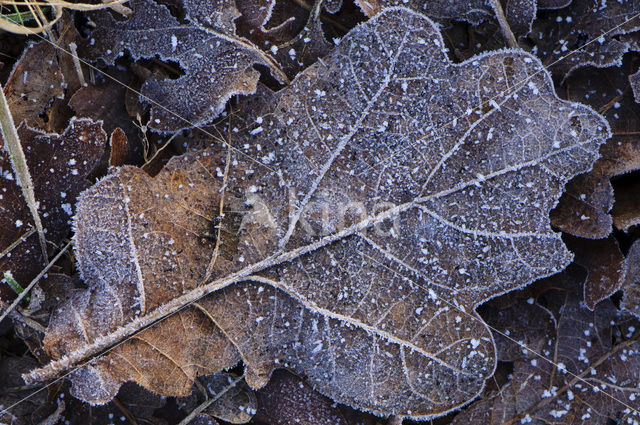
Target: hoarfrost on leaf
[374,244]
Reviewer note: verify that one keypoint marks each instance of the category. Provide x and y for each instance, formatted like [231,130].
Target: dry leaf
[586,370]
[605,266]
[234,401]
[580,29]
[626,210]
[285,29]
[29,90]
[288,400]
[631,285]
[584,208]
[216,63]
[12,390]
[386,187]
[634,79]
[59,165]
[519,13]
[553,4]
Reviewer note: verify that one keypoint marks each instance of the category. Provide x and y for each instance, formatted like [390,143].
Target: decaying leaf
[288,400]
[232,400]
[631,285]
[12,390]
[586,370]
[584,208]
[626,210]
[634,79]
[217,64]
[385,195]
[59,165]
[30,91]
[284,29]
[519,13]
[605,267]
[586,29]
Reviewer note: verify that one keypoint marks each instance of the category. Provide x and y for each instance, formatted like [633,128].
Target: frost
[216,67]
[345,213]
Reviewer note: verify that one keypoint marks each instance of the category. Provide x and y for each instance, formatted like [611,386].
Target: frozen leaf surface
[585,369]
[288,400]
[366,214]
[217,64]
[519,13]
[584,209]
[631,286]
[579,29]
[59,166]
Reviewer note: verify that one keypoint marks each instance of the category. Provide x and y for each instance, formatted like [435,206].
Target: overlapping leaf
[347,235]
[519,13]
[217,64]
[584,209]
[59,165]
[590,31]
[584,370]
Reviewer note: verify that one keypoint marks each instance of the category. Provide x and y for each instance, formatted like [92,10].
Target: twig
[73,48]
[208,403]
[19,164]
[504,25]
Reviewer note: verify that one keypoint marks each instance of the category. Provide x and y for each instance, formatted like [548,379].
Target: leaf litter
[408,352]
[240,213]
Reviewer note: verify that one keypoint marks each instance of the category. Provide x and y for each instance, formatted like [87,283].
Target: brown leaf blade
[356,252]
[59,165]
[217,64]
[585,370]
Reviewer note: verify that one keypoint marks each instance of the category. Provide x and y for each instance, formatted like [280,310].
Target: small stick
[73,48]
[504,25]
[19,164]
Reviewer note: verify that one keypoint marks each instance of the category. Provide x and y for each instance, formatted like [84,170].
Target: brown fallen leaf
[287,399]
[292,34]
[585,370]
[587,29]
[228,398]
[12,390]
[605,265]
[29,90]
[59,165]
[631,285]
[217,64]
[519,13]
[634,79]
[626,210]
[584,208]
[348,234]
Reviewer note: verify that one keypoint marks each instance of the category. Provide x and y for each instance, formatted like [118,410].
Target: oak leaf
[586,206]
[348,234]
[579,367]
[217,63]
[586,33]
[519,13]
[59,165]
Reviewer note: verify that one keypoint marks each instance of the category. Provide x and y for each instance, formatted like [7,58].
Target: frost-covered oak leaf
[583,369]
[217,64]
[519,13]
[384,195]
